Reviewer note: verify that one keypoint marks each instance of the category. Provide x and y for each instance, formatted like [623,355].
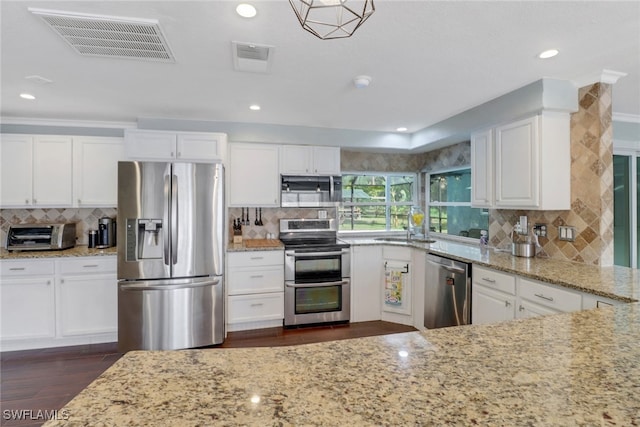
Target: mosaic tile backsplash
[86,219]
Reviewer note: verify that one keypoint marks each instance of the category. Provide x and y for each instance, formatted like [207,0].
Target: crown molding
[67,123]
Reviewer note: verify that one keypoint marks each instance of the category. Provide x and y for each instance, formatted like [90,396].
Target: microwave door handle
[174,219]
[165,219]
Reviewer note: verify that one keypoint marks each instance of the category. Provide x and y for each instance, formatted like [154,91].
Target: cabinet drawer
[495,280]
[87,265]
[258,307]
[550,296]
[26,268]
[256,280]
[255,258]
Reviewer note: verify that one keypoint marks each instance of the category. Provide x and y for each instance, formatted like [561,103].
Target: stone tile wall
[86,219]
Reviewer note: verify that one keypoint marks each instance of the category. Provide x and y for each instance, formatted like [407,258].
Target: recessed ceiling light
[401,129]
[27,96]
[548,54]
[254,107]
[246,10]
[361,82]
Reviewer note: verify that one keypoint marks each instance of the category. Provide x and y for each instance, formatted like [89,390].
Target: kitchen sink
[404,240]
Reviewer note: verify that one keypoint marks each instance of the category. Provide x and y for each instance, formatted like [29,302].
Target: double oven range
[317,272]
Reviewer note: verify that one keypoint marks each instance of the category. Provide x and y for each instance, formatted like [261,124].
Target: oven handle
[317,285]
[312,254]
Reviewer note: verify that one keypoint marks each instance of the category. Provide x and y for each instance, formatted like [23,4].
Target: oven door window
[318,269]
[319,299]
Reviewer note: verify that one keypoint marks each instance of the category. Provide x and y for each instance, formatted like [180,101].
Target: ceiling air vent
[252,57]
[109,36]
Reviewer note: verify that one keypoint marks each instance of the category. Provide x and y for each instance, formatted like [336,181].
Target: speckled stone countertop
[78,251]
[577,369]
[615,282]
[273,245]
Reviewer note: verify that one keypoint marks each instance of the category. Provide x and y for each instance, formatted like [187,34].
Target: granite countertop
[256,245]
[568,369]
[78,251]
[615,282]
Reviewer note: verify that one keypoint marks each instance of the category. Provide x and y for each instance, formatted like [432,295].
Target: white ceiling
[429,60]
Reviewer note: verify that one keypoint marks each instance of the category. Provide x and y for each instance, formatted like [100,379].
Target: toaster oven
[41,237]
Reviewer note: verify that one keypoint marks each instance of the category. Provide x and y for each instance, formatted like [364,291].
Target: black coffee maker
[106,233]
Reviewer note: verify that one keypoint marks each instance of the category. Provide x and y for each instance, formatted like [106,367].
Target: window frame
[428,204]
[415,201]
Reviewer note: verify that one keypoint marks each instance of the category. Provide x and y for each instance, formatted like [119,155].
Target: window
[377,202]
[449,205]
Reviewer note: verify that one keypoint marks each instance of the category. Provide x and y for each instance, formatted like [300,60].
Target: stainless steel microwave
[305,191]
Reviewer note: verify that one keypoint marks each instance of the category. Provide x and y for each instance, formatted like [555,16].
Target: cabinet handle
[90,266]
[257,304]
[507,304]
[259,276]
[61,281]
[172,154]
[17,269]
[79,201]
[26,201]
[486,279]
[257,257]
[48,282]
[521,308]
[35,202]
[543,297]
[179,154]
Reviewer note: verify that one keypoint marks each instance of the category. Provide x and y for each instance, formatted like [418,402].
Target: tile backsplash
[86,219]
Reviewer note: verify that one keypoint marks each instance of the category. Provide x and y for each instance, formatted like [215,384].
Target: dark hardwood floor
[34,381]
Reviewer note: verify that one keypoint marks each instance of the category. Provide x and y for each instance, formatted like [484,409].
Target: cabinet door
[365,283]
[517,163]
[489,306]
[253,175]
[482,169]
[150,145]
[326,160]
[295,159]
[27,308]
[52,171]
[96,170]
[87,304]
[16,171]
[200,146]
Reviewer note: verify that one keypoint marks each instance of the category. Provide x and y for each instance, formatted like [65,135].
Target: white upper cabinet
[96,170]
[36,171]
[253,175]
[525,164]
[482,169]
[16,171]
[181,146]
[304,159]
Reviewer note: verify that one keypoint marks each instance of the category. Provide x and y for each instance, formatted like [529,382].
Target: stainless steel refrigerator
[170,255]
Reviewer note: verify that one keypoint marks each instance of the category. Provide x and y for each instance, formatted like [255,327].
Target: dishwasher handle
[450,268]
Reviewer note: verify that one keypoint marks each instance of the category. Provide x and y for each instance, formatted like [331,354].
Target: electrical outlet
[567,233]
[540,230]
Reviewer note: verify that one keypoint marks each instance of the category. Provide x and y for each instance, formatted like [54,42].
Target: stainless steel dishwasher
[447,297]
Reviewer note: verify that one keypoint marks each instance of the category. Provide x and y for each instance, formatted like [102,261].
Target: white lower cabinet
[498,296]
[366,275]
[596,301]
[493,296]
[255,287]
[397,284]
[87,297]
[27,301]
[52,303]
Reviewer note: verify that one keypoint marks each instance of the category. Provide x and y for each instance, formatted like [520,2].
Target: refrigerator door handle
[165,220]
[174,220]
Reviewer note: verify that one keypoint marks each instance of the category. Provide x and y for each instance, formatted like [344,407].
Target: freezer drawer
[170,314]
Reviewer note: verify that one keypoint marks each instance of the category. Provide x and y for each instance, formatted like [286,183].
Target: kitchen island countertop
[569,369]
